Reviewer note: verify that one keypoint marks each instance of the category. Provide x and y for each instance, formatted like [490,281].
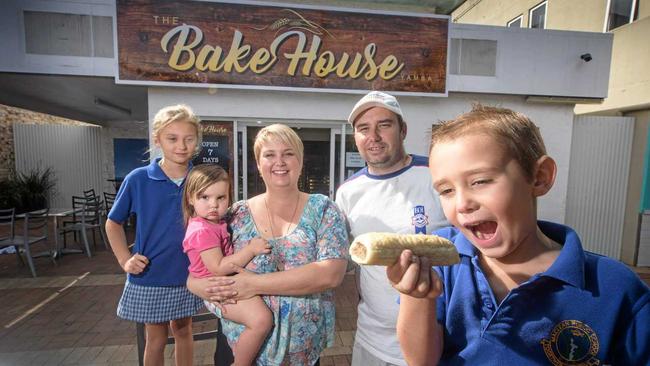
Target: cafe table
[57,214]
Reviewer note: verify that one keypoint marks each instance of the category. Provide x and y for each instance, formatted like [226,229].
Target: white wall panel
[643,259]
[538,62]
[74,152]
[600,163]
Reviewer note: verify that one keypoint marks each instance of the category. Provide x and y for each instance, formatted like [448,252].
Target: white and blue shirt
[401,202]
[586,309]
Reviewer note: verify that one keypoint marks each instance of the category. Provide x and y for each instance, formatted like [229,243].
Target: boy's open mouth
[483,230]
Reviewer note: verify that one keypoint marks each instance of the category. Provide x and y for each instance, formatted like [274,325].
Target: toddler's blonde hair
[199,178]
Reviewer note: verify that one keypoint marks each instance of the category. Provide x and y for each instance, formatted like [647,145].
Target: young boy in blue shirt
[524,292]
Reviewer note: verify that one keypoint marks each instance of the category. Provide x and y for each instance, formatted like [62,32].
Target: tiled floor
[66,316]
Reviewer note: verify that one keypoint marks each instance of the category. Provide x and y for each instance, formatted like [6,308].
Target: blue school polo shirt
[586,309]
[156,201]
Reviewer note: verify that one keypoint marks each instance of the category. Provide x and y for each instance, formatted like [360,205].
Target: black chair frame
[222,354]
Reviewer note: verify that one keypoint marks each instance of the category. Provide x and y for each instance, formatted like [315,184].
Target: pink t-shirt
[201,235]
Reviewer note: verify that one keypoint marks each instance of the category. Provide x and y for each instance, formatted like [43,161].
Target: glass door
[321,171]
[348,160]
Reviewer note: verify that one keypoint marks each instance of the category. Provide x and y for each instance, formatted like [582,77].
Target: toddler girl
[207,244]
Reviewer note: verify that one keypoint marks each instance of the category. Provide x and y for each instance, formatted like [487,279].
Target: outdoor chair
[77,206]
[88,217]
[75,218]
[109,199]
[7,220]
[35,230]
[222,354]
[90,193]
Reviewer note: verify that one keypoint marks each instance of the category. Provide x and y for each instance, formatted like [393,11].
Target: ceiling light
[113,107]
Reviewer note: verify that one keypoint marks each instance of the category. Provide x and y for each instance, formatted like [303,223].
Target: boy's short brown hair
[514,131]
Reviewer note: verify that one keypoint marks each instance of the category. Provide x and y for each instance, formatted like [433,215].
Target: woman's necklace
[269,216]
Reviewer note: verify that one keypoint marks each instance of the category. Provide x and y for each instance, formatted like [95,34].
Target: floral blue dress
[303,325]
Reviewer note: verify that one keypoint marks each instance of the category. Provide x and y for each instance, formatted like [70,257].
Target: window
[621,12]
[476,57]
[515,22]
[537,16]
[68,34]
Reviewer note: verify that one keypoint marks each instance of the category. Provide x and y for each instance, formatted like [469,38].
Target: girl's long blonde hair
[176,113]
[201,177]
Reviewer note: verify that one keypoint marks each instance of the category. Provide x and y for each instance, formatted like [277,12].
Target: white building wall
[528,61]
[600,156]
[73,152]
[12,38]
[539,62]
[554,120]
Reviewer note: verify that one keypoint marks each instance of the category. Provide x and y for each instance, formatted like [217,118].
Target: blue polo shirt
[586,309]
[156,201]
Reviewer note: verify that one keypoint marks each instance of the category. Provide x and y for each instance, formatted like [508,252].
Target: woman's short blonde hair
[281,133]
[176,113]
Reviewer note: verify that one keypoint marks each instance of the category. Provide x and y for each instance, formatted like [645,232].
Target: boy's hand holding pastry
[383,249]
[412,275]
[408,258]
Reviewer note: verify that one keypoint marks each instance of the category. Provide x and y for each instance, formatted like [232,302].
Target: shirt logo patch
[420,220]
[572,342]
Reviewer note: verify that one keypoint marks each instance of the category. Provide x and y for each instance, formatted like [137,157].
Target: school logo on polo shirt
[572,342]
[420,220]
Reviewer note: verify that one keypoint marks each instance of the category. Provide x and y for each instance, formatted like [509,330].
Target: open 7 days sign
[197,43]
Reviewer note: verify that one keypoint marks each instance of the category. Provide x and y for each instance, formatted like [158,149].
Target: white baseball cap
[375,99]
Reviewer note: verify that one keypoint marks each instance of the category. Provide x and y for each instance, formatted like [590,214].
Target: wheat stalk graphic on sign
[296,23]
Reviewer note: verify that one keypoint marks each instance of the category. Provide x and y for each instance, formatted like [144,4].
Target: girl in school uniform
[156,267]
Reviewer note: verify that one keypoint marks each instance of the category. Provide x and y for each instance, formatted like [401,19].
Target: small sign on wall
[216,147]
[354,160]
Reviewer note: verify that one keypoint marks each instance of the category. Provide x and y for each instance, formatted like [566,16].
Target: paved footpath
[66,316]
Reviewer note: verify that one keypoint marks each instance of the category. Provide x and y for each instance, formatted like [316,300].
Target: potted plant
[32,189]
[8,193]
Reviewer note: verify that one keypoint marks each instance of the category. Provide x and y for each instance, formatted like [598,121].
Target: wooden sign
[196,43]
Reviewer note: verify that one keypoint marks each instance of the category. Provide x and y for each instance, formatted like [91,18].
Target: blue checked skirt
[149,304]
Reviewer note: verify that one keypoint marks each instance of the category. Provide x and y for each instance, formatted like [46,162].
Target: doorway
[324,164]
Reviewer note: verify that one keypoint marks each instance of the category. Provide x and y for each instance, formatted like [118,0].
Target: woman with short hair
[308,259]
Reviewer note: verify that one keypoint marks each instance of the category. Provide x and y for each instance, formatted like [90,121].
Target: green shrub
[28,191]
[8,193]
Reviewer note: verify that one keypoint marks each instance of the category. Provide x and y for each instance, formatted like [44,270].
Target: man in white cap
[393,193]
